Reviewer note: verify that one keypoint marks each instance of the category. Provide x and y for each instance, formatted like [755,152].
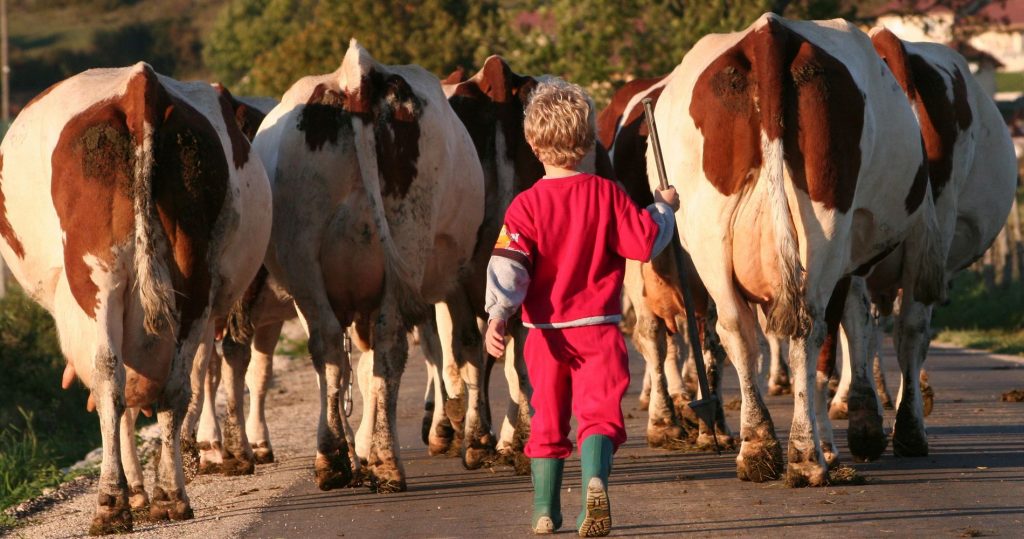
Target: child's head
[557,123]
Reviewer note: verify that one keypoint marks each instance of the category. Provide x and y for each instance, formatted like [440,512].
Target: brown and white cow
[973,175]
[653,289]
[798,160]
[132,210]
[378,196]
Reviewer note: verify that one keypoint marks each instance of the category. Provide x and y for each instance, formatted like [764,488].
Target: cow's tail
[355,67]
[787,314]
[926,256]
[153,278]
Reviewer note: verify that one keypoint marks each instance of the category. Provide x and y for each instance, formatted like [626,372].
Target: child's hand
[668,196]
[495,338]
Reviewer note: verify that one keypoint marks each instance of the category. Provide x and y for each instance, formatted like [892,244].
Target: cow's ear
[496,79]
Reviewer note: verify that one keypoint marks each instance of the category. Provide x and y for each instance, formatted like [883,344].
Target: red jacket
[573,235]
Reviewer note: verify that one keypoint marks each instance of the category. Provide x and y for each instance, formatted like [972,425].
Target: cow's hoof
[385,479]
[838,410]
[113,515]
[233,465]
[927,398]
[210,458]
[776,388]
[706,442]
[865,433]
[831,455]
[521,464]
[806,474]
[664,435]
[428,420]
[479,452]
[443,440]
[169,506]
[333,471]
[262,453]
[189,459]
[137,498]
[455,411]
[909,442]
[209,468]
[760,460]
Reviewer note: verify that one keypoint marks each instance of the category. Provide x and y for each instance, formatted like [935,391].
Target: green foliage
[27,464]
[972,306]
[32,366]
[264,46]
[1009,82]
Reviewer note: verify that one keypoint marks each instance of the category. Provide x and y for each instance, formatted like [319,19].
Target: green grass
[982,319]
[42,427]
[27,464]
[1009,82]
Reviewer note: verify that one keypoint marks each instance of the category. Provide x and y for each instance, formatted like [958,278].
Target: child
[561,255]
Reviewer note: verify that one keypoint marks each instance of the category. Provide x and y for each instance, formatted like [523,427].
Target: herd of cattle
[822,173]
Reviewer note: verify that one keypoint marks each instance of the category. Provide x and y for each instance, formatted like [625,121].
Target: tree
[247,29]
[439,35]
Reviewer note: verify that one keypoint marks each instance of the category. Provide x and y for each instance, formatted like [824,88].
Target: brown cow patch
[917,189]
[324,118]
[723,109]
[833,316]
[397,130]
[631,153]
[609,118]
[941,119]
[92,190]
[826,111]
[776,81]
[234,114]
[6,231]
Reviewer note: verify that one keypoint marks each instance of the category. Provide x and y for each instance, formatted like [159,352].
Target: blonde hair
[558,123]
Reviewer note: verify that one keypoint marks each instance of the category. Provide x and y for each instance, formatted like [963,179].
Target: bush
[32,367]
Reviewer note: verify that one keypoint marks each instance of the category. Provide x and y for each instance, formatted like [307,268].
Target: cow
[378,196]
[973,177]
[133,211]
[653,288]
[798,161]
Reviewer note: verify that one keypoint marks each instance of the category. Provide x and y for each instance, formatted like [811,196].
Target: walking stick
[705,408]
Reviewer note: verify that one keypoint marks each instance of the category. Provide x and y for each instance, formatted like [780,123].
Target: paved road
[971,485]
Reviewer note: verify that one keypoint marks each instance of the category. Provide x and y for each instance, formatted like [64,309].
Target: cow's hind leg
[865,433]
[169,501]
[208,439]
[390,354]
[649,336]
[460,337]
[238,456]
[714,362]
[911,332]
[806,461]
[258,380]
[438,433]
[760,456]
[138,499]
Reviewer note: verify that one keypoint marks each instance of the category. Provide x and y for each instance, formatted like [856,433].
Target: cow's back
[844,123]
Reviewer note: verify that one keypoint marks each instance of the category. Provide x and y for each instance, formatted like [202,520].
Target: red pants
[583,370]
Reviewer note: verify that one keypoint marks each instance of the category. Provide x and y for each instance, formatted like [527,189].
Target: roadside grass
[982,319]
[42,428]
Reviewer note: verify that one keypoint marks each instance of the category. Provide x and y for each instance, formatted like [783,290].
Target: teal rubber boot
[547,502]
[595,519]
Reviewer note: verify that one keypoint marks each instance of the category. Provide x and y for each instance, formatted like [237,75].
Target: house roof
[973,54]
[1010,12]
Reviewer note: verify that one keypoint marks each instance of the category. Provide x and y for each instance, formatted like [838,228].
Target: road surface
[971,485]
